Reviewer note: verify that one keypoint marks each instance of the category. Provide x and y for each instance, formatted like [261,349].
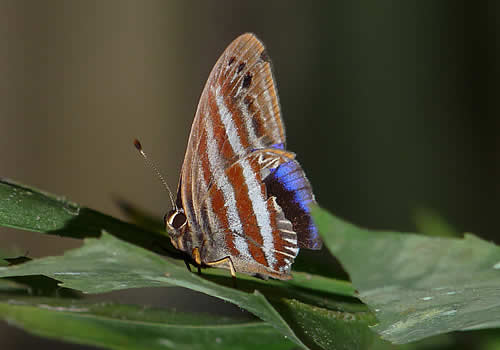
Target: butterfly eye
[175,219]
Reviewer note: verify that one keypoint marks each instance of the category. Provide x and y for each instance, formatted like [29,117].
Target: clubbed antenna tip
[138,145]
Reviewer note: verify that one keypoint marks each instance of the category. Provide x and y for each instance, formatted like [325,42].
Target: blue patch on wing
[293,193]
[280,146]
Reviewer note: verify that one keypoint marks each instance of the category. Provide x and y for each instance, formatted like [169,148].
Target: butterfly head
[176,225]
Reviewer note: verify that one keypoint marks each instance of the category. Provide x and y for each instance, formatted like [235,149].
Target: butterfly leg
[197,258]
[225,260]
[187,264]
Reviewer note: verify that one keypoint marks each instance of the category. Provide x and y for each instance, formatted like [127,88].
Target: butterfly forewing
[237,141]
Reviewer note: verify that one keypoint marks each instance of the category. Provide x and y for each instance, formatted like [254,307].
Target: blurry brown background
[391,106]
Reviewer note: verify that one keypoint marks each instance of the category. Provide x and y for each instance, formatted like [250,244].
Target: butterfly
[243,200]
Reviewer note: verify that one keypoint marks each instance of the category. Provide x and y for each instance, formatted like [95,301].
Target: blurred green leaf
[118,326]
[44,286]
[418,286]
[491,343]
[17,260]
[429,222]
[140,217]
[9,286]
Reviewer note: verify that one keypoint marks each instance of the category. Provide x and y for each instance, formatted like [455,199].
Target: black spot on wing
[241,67]
[231,61]
[247,80]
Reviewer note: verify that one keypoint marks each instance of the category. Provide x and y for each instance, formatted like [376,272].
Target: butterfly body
[242,200]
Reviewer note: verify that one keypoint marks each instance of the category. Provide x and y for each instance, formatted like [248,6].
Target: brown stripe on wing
[239,121]
[190,172]
[235,82]
[196,171]
[219,209]
[204,182]
[185,193]
[202,168]
[244,70]
[219,131]
[218,212]
[263,90]
[227,78]
[265,97]
[252,232]
[254,129]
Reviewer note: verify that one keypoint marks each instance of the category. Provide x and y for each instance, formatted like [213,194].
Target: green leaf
[23,207]
[118,326]
[110,264]
[26,208]
[327,329]
[431,223]
[418,285]
[107,264]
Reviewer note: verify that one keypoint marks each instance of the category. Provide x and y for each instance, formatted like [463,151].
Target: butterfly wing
[238,112]
[222,187]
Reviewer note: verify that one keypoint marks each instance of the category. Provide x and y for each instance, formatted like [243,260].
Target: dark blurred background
[391,107]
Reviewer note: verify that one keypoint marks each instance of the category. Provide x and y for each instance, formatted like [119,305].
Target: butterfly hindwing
[265,241]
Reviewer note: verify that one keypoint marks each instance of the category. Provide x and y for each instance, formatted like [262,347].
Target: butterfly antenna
[138,145]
